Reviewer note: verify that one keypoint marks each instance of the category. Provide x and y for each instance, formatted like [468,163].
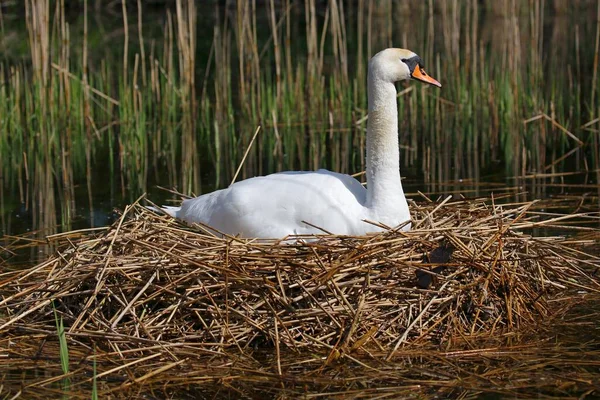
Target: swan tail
[172,211]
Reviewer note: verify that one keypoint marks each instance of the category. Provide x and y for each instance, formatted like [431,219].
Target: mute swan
[280,204]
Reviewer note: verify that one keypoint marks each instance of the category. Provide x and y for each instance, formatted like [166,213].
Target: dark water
[578,193]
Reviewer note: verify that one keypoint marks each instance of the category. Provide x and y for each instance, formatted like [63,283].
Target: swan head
[395,65]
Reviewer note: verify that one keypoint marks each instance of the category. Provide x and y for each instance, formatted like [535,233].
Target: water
[578,193]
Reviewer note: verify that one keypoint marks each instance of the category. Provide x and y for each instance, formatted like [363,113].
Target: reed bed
[179,103]
[158,305]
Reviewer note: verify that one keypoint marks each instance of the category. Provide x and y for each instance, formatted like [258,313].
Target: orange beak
[422,76]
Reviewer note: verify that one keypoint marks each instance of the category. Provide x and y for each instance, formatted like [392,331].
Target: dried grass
[161,304]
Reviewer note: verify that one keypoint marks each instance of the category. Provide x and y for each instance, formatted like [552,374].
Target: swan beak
[422,76]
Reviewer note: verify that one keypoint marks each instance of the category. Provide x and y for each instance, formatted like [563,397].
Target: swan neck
[384,189]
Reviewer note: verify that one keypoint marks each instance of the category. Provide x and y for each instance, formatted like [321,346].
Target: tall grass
[170,110]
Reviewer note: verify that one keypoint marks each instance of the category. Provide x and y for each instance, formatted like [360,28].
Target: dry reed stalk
[42,148]
[237,171]
[277,51]
[222,84]
[65,96]
[87,115]
[186,42]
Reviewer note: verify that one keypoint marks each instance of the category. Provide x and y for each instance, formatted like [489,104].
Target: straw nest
[149,284]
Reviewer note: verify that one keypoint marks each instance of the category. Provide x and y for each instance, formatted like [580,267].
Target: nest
[149,284]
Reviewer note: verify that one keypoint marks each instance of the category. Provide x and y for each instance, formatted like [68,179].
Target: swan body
[295,203]
[258,207]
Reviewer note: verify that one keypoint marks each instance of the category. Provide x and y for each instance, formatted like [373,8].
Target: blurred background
[102,101]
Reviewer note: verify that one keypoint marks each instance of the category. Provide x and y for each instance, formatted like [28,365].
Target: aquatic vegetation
[179,105]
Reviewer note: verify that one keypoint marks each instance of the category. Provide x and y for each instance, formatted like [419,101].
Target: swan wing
[278,205]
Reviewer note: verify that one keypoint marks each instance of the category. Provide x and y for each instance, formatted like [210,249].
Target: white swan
[280,204]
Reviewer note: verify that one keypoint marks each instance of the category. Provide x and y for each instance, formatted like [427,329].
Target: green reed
[63,350]
[178,109]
